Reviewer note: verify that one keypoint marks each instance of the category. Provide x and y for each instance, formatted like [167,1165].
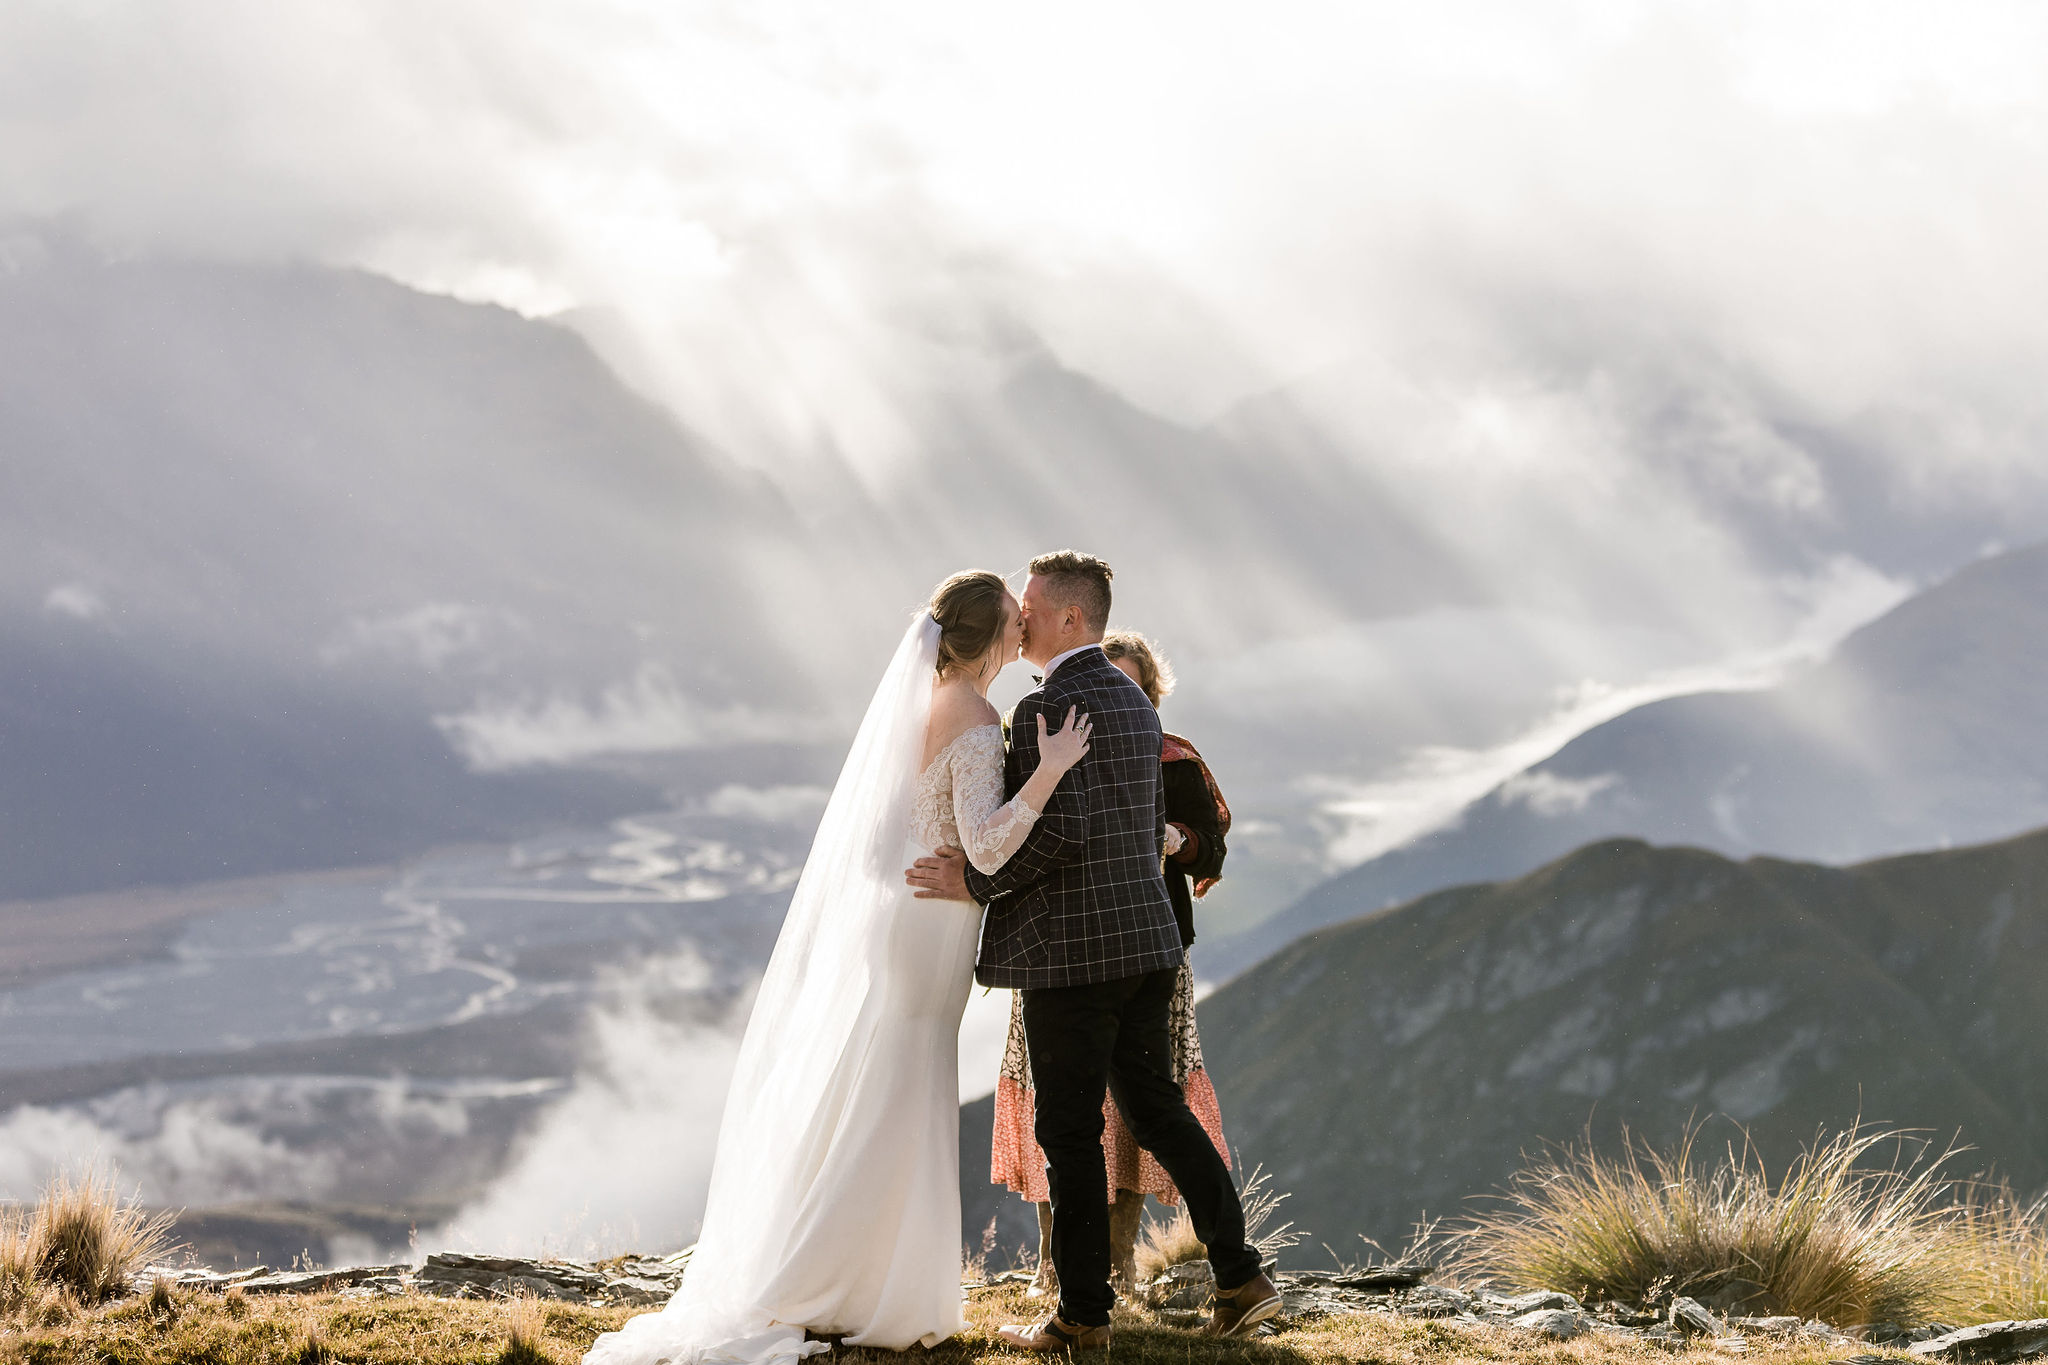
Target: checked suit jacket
[1083,899]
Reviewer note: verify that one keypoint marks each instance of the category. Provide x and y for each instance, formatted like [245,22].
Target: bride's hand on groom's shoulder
[941,876]
[1066,746]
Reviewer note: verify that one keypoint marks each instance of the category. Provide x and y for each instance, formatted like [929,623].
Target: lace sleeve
[990,827]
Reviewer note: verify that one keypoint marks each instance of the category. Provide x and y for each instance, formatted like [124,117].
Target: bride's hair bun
[969,609]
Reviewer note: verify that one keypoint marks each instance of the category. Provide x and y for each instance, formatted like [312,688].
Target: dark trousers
[1114,1034]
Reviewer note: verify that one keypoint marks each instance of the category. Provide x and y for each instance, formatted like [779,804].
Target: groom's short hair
[1074,579]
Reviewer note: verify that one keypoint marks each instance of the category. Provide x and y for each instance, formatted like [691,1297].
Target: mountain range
[1925,728]
[1392,1066]
[259,527]
[302,568]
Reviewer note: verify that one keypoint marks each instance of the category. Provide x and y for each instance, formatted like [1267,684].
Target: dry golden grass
[291,1330]
[526,1331]
[1168,1242]
[1172,1241]
[83,1237]
[2000,1258]
[411,1330]
[1871,1237]
[17,1260]
[1836,1238]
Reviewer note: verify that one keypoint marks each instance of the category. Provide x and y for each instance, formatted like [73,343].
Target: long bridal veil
[807,1015]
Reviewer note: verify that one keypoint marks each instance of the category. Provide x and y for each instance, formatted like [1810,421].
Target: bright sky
[805,210]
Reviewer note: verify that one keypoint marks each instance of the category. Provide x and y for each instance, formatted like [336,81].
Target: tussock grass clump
[163,1302]
[84,1237]
[526,1322]
[1839,1237]
[17,1259]
[309,1347]
[1172,1241]
[2002,1245]
[1167,1242]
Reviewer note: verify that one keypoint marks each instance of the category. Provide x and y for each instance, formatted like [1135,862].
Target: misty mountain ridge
[261,527]
[366,570]
[1403,1062]
[284,537]
[1925,728]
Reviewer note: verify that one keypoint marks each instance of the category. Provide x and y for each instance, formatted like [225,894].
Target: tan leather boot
[1054,1335]
[1239,1310]
[1046,1283]
[1125,1216]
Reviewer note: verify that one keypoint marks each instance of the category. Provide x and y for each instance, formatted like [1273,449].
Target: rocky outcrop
[326,1281]
[630,1281]
[1181,1294]
[1991,1341]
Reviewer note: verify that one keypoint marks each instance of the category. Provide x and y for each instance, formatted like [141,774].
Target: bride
[835,1196]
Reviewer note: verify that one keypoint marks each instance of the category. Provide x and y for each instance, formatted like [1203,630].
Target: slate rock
[663,1271]
[314,1281]
[1693,1318]
[1436,1301]
[194,1277]
[1991,1341]
[1535,1300]
[1770,1327]
[1385,1278]
[635,1290]
[452,1273]
[1182,1286]
[1307,1295]
[1550,1322]
[533,1286]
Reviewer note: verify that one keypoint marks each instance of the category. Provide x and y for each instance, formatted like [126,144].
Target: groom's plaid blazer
[1083,898]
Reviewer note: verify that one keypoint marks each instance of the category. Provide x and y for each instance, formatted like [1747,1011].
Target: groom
[1078,920]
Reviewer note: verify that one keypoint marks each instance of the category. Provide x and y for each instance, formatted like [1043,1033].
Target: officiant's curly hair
[1074,579]
[969,609]
[1155,674]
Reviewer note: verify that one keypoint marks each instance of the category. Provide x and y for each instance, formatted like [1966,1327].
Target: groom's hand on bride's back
[942,876]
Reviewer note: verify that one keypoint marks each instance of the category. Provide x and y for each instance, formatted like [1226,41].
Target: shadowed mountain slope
[258,527]
[1927,727]
[1398,1063]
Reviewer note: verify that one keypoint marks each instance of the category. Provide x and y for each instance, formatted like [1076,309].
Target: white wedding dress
[835,1195]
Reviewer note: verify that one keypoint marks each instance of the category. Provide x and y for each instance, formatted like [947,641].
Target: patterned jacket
[1083,898]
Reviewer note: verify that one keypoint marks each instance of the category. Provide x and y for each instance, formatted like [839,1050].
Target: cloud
[648,713]
[430,635]
[196,1157]
[1651,314]
[1432,784]
[75,600]
[776,805]
[623,1160]
[295,1138]
[1548,794]
[803,215]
